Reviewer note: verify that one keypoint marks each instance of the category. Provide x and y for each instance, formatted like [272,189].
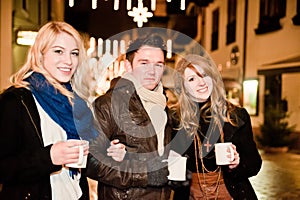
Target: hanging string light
[182,4]
[94,4]
[139,14]
[128,5]
[169,48]
[91,49]
[71,3]
[153,5]
[116,4]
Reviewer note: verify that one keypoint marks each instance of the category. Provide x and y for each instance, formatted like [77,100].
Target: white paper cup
[222,153]
[82,160]
[177,168]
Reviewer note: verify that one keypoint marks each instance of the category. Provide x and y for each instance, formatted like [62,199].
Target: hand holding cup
[226,154]
[80,149]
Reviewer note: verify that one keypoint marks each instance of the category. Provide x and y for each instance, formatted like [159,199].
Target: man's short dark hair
[152,40]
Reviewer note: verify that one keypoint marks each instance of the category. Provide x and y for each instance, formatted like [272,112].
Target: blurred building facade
[249,40]
[257,40]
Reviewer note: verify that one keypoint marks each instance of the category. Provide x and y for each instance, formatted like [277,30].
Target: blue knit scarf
[55,104]
[84,119]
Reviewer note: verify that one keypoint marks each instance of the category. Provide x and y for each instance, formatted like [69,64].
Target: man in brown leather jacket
[134,111]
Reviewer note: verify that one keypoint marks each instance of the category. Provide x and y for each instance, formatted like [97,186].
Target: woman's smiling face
[198,84]
[62,58]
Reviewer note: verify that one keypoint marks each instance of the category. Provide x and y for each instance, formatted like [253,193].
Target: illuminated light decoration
[116,4]
[94,4]
[153,5]
[169,48]
[71,3]
[140,14]
[128,5]
[107,58]
[100,47]
[92,46]
[26,38]
[182,4]
[115,48]
[122,47]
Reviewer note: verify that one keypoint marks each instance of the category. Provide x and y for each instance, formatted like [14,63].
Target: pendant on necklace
[207,145]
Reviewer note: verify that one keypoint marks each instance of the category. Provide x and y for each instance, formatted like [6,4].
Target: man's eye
[160,65]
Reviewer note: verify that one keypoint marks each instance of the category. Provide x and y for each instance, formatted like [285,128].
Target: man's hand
[116,150]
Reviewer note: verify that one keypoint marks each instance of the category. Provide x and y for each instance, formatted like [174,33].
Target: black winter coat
[236,180]
[25,164]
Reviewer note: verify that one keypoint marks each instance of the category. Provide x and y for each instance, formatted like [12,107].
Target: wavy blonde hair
[216,108]
[34,62]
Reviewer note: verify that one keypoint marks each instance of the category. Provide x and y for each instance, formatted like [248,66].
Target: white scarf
[154,102]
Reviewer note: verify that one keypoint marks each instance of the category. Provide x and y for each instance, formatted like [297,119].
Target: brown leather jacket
[120,114]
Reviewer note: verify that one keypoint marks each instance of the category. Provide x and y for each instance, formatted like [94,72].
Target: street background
[279,177]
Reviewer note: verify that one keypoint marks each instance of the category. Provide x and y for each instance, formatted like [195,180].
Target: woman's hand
[64,152]
[236,160]
[116,150]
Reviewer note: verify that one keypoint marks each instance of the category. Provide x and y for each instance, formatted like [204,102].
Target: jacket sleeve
[103,168]
[250,159]
[118,174]
[23,158]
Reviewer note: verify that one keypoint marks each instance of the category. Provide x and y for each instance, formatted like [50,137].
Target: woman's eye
[190,79]
[58,51]
[204,75]
[75,53]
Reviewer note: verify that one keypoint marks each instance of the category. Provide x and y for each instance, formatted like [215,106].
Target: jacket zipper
[32,121]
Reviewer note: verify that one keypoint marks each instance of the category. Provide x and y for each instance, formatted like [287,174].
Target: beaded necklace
[198,148]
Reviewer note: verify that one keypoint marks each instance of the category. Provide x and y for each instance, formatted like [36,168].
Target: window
[215,30]
[271,11]
[231,21]
[250,96]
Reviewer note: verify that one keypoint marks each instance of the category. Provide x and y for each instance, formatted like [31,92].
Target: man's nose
[151,67]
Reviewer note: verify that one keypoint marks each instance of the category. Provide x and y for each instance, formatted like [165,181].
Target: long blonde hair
[34,62]
[217,108]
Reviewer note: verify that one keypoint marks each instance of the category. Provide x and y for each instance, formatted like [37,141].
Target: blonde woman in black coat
[36,120]
[206,118]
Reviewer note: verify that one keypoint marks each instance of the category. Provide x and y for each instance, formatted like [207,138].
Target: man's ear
[128,66]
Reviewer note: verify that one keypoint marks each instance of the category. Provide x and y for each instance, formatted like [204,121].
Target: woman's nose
[201,81]
[68,59]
